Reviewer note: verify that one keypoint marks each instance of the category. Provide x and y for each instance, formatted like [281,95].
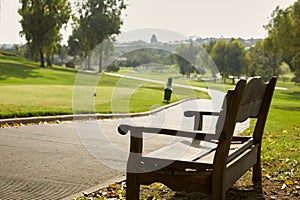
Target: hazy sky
[204,18]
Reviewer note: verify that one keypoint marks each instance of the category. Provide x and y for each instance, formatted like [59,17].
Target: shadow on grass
[288,108]
[290,101]
[293,95]
[16,70]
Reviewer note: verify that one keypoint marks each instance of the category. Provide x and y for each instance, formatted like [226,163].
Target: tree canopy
[186,56]
[229,57]
[41,22]
[97,20]
[263,62]
[284,33]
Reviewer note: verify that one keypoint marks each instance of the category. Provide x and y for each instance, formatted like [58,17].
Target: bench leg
[218,191]
[218,195]
[257,175]
[132,186]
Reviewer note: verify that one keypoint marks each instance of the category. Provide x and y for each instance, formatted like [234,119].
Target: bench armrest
[124,129]
[136,135]
[198,120]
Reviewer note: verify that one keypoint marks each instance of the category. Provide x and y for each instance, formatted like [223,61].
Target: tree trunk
[89,62]
[100,61]
[48,60]
[42,60]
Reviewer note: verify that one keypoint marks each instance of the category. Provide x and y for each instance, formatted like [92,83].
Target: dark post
[168,90]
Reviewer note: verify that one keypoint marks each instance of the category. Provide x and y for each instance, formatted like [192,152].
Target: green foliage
[186,56]
[236,57]
[284,32]
[41,22]
[97,20]
[62,51]
[218,54]
[230,57]
[263,62]
[146,56]
[114,67]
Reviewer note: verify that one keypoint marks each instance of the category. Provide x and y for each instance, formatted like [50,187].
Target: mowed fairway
[28,90]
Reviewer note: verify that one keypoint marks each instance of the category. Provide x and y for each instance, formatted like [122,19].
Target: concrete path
[52,161]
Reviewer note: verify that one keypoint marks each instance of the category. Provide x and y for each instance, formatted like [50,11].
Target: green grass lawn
[28,90]
[281,144]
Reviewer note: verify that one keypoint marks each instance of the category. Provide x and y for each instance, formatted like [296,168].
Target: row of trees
[229,58]
[264,58]
[93,22]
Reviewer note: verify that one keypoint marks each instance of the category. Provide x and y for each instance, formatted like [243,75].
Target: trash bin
[168,90]
[167,95]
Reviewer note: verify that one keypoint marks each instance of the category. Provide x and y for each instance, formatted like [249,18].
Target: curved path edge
[78,117]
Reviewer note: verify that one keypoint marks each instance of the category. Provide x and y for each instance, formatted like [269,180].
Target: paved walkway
[52,161]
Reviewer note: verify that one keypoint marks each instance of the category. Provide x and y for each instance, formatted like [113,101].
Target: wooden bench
[207,162]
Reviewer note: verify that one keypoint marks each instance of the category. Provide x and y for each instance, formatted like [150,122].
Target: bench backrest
[249,99]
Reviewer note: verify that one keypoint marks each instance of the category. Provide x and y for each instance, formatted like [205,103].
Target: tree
[262,62]
[186,56]
[154,39]
[62,52]
[235,58]
[284,32]
[219,55]
[230,57]
[41,22]
[97,21]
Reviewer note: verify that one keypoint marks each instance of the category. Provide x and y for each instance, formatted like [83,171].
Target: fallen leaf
[113,186]
[158,185]
[288,182]
[285,132]
[145,186]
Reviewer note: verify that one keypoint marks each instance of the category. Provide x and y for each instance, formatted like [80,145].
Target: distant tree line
[99,21]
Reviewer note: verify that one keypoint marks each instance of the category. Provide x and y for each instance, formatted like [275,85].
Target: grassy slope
[281,144]
[28,90]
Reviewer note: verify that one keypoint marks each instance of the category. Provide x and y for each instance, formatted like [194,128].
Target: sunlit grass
[28,90]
